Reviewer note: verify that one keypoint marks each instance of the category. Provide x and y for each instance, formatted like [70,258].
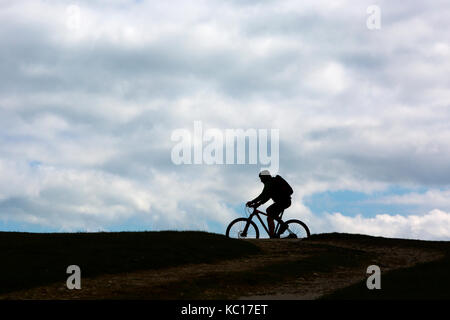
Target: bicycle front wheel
[295,230]
[237,227]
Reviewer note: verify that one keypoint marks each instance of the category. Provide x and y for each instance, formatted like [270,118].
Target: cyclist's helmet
[264,173]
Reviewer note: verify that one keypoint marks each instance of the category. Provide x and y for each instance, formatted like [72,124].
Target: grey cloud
[120,101]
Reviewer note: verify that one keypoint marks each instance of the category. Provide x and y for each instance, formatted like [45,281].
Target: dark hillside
[34,259]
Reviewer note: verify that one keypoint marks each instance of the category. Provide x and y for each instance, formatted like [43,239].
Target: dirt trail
[165,283]
[388,258]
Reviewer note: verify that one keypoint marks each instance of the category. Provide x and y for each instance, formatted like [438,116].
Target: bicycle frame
[256,213]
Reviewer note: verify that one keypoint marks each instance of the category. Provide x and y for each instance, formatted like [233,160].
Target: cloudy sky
[91,92]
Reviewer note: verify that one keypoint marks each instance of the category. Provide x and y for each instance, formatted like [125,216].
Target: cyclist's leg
[283,206]
[273,211]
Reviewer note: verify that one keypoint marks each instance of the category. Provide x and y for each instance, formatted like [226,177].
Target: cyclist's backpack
[283,187]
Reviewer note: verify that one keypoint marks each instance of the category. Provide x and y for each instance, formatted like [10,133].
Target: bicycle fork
[244,232]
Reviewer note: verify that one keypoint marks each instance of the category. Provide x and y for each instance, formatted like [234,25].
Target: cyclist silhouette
[277,189]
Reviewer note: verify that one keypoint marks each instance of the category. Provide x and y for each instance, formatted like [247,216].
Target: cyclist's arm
[262,198]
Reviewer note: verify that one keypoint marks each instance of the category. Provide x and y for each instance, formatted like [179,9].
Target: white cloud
[433,197]
[330,78]
[74,199]
[435,225]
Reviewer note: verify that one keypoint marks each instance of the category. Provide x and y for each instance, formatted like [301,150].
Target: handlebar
[249,208]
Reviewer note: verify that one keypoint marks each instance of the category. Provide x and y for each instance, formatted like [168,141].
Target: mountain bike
[245,228]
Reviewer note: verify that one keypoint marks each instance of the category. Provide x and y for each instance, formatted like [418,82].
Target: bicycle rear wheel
[295,230]
[236,229]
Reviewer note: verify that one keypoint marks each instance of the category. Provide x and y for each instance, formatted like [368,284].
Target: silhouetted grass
[32,259]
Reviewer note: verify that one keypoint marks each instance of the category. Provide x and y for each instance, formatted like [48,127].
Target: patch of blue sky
[352,203]
[17,226]
[129,226]
[34,163]
[137,225]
